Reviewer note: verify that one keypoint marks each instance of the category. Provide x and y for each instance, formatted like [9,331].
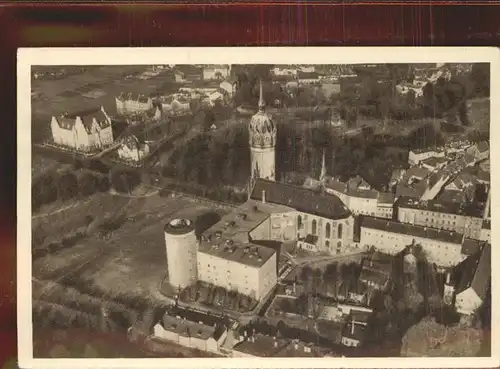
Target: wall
[471,226]
[384,211]
[467,301]
[163,334]
[441,253]
[228,274]
[264,159]
[62,136]
[327,244]
[181,259]
[267,277]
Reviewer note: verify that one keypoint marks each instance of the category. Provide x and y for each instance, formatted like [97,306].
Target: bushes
[124,181]
[223,194]
[53,186]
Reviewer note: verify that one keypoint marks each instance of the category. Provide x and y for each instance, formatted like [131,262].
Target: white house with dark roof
[472,287]
[133,148]
[229,85]
[360,198]
[131,103]
[85,131]
[191,329]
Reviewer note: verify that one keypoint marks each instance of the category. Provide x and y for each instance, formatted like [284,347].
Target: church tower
[262,134]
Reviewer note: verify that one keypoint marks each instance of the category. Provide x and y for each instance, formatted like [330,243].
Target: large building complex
[84,131]
[460,218]
[445,248]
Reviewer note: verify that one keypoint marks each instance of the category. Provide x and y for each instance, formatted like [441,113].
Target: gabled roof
[471,247]
[67,121]
[301,199]
[476,272]
[483,146]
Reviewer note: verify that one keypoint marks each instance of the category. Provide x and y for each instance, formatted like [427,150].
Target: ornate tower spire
[262,104]
[323,168]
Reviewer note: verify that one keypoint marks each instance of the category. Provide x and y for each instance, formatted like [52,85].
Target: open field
[132,261]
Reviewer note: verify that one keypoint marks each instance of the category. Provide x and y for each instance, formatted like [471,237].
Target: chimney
[352,326]
[448,276]
[263,196]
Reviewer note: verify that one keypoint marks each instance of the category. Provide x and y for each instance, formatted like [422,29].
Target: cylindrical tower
[262,135]
[181,245]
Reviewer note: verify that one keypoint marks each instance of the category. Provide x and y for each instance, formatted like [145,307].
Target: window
[299,222]
[327,244]
[339,247]
[339,231]
[313,229]
[327,230]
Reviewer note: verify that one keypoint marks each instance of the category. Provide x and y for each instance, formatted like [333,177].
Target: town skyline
[263,210]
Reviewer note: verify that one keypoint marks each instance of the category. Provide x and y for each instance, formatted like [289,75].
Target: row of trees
[70,185]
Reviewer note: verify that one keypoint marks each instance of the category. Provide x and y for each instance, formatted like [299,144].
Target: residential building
[376,270]
[460,218]
[480,151]
[133,148]
[191,329]
[131,103]
[259,345]
[444,248]
[172,105]
[229,85]
[358,196]
[353,334]
[418,155]
[475,278]
[434,163]
[308,78]
[84,131]
[217,72]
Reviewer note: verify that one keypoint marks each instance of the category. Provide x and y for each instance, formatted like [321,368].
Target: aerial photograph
[257,210]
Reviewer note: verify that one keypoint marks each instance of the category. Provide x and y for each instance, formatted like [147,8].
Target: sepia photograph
[233,203]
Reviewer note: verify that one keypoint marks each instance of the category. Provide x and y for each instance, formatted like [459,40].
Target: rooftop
[412,230]
[189,328]
[132,96]
[476,272]
[261,345]
[300,199]
[229,238]
[179,226]
[67,120]
[440,206]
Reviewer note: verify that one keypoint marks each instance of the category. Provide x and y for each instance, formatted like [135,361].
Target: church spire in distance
[262,104]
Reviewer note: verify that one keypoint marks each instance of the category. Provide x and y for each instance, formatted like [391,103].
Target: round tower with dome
[262,134]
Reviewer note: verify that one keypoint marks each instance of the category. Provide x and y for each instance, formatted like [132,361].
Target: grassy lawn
[132,261]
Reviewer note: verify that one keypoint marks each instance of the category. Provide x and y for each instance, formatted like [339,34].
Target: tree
[331,273]
[125,180]
[88,184]
[480,80]
[285,305]
[67,186]
[306,273]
